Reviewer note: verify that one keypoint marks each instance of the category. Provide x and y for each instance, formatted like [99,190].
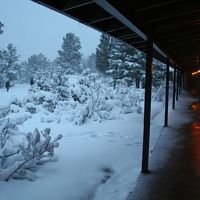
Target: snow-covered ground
[96,161]
[19,91]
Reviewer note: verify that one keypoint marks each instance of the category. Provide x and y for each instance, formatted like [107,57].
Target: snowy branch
[21,162]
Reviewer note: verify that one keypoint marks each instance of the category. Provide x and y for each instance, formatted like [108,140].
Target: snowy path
[96,161]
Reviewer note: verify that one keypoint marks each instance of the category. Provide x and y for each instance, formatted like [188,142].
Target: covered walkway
[175,160]
[168,31]
[165,30]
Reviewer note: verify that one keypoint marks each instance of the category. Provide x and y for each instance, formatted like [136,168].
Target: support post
[180,82]
[167,93]
[177,84]
[174,89]
[147,106]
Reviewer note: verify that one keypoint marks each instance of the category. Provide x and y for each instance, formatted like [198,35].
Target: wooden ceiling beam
[159,19]
[113,29]
[180,21]
[122,33]
[133,41]
[193,31]
[102,19]
[158,5]
[71,4]
[192,45]
[88,16]
[129,36]
[187,39]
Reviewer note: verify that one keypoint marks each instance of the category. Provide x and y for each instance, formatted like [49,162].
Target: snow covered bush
[159,93]
[46,99]
[20,160]
[93,100]
[78,98]
[59,83]
[42,80]
[129,99]
[15,108]
[80,92]
[19,117]
[30,107]
[4,133]
[16,112]
[7,129]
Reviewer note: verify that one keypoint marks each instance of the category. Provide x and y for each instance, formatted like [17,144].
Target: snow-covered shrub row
[85,96]
[21,159]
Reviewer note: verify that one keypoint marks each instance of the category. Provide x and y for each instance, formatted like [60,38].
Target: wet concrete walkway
[175,160]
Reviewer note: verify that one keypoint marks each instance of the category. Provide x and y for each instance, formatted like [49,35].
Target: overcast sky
[34,29]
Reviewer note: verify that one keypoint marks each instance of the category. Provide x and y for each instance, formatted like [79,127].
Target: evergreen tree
[126,62]
[23,73]
[8,62]
[90,62]
[139,68]
[59,83]
[1,25]
[159,71]
[70,55]
[103,54]
[37,62]
[120,60]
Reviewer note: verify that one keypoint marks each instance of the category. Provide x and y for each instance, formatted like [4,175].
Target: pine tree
[12,59]
[2,66]
[103,54]
[120,60]
[59,83]
[139,68]
[158,73]
[125,62]
[23,73]
[8,62]
[1,25]
[90,62]
[70,55]
[37,62]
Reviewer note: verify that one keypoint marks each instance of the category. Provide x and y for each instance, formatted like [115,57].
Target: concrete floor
[175,161]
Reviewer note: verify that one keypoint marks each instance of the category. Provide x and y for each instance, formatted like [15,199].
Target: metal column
[177,84]
[167,93]
[180,81]
[174,90]
[147,106]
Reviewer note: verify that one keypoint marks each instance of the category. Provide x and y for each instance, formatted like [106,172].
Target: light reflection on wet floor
[195,128]
[196,106]
[175,163]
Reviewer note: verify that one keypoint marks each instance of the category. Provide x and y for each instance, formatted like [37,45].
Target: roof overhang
[173,25]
